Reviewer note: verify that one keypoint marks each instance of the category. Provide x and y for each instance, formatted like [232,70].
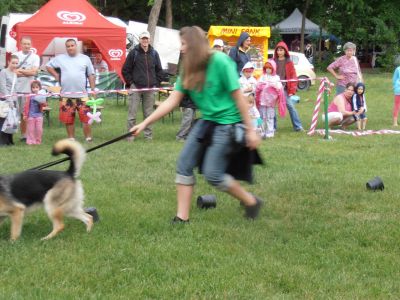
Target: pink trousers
[34,131]
[396,106]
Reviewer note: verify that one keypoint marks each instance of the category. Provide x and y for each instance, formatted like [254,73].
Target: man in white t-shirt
[75,69]
[28,68]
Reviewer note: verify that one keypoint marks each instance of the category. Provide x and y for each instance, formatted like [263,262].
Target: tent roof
[292,24]
[77,15]
[75,19]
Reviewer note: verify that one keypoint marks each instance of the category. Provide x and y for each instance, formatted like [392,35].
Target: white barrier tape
[359,133]
[142,90]
[91,92]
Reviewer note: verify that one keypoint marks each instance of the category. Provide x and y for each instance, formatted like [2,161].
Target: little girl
[254,115]
[269,92]
[247,81]
[359,105]
[33,114]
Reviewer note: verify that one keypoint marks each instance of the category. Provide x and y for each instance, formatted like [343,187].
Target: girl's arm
[164,108]
[252,139]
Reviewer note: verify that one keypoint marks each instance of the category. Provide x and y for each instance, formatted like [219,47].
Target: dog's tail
[75,151]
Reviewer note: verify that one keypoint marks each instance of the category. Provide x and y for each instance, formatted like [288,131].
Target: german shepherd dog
[60,192]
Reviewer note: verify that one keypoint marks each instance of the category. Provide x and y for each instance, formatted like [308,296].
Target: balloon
[95,116]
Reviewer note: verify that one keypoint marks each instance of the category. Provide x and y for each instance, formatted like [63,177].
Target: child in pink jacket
[269,93]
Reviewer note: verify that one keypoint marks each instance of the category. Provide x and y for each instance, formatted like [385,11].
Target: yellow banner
[229,31]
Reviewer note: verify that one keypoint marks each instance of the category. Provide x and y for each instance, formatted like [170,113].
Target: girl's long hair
[195,58]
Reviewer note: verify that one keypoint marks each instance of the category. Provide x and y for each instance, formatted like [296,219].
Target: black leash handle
[56,162]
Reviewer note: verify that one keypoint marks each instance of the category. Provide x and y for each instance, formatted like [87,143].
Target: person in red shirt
[285,70]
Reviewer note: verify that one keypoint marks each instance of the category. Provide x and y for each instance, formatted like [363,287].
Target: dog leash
[53,163]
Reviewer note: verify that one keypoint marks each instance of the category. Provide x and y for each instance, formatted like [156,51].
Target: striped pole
[314,119]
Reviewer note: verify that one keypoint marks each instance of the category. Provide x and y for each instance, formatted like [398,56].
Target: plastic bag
[4,108]
[11,122]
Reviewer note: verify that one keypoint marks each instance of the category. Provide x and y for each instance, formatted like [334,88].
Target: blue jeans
[294,116]
[215,160]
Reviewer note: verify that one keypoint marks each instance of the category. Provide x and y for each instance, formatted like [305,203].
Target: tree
[303,24]
[168,14]
[153,18]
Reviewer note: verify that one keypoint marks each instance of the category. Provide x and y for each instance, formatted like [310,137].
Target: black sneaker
[251,212]
[177,220]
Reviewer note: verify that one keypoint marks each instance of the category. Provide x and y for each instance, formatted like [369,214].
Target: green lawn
[320,235]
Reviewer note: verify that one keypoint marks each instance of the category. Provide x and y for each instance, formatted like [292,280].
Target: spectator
[142,69]
[33,114]
[99,64]
[247,81]
[396,90]
[340,111]
[347,67]
[28,68]
[309,52]
[269,93]
[285,70]
[8,79]
[295,44]
[359,105]
[189,114]
[239,52]
[218,45]
[75,68]
[210,78]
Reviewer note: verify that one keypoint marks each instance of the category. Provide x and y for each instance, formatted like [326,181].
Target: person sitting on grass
[211,80]
[340,112]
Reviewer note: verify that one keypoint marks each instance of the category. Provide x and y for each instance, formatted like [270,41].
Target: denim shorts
[215,160]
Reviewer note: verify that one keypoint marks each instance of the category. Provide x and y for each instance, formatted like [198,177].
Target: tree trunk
[303,24]
[153,19]
[168,13]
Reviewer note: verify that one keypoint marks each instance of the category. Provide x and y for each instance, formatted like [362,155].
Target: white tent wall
[166,42]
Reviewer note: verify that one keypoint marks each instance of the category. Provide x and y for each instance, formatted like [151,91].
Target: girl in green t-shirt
[211,80]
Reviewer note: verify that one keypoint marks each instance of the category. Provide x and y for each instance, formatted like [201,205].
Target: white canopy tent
[292,24]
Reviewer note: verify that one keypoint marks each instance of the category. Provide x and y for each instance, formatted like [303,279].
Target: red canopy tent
[75,18]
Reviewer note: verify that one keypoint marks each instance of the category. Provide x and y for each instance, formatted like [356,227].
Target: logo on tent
[33,50]
[115,54]
[13,34]
[71,17]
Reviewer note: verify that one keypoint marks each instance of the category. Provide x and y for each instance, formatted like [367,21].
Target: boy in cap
[218,45]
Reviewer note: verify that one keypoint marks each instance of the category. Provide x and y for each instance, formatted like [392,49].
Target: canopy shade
[292,24]
[79,19]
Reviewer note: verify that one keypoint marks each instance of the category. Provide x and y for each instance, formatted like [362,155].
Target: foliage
[371,24]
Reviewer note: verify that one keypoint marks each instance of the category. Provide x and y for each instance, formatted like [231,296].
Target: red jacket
[291,86]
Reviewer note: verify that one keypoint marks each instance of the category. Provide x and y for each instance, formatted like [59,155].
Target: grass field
[320,235]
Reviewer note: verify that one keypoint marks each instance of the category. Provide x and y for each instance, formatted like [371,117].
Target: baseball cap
[218,42]
[144,34]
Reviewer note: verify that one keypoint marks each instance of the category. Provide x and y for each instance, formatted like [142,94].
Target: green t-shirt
[215,101]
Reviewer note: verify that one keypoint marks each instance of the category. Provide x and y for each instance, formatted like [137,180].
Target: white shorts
[333,115]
